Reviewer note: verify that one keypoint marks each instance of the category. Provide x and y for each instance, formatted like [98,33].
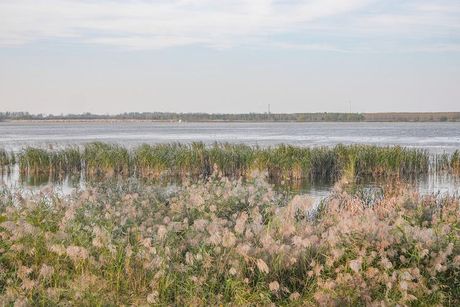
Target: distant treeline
[246,117]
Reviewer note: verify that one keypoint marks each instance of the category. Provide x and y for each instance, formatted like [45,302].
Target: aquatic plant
[36,161]
[229,242]
[393,160]
[67,160]
[173,159]
[103,159]
[282,162]
[455,161]
[6,158]
[440,162]
[231,159]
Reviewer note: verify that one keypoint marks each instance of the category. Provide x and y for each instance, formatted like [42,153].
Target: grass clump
[383,161]
[222,241]
[39,162]
[455,161]
[7,159]
[35,161]
[103,159]
[171,159]
[330,164]
[282,162]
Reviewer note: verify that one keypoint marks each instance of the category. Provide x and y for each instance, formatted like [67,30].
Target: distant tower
[268,109]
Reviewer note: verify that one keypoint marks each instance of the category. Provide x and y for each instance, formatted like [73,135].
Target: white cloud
[143,24]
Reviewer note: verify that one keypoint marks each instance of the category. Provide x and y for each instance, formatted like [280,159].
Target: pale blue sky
[114,56]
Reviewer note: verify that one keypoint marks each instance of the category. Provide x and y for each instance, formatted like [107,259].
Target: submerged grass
[7,159]
[281,162]
[36,161]
[455,161]
[102,159]
[234,160]
[222,241]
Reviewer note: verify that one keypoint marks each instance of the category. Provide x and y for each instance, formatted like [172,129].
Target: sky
[222,56]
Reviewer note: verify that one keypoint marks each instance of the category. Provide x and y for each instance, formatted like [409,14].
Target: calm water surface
[436,137]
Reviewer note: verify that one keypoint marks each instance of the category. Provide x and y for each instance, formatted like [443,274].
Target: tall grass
[228,242]
[36,161]
[455,161]
[282,162]
[239,160]
[171,159]
[101,159]
[6,158]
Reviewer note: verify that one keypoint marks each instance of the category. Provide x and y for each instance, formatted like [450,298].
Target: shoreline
[159,117]
[114,120]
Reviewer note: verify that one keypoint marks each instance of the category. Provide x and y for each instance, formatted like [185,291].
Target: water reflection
[432,183]
[14,180]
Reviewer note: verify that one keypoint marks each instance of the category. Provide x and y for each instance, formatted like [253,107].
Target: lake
[434,137]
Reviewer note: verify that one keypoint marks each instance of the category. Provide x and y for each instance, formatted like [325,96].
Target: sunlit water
[438,184]
[434,137]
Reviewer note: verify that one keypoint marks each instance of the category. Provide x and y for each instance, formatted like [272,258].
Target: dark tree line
[162,116]
[246,117]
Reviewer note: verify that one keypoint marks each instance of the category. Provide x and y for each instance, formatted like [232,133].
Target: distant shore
[44,121]
[246,117]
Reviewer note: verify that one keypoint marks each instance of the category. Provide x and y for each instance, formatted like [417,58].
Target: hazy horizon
[217,113]
[300,56]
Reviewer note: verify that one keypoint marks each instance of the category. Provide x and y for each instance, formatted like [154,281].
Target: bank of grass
[36,161]
[7,159]
[102,159]
[235,160]
[455,162]
[222,241]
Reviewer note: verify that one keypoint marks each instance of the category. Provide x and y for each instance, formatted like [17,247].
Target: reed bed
[282,162]
[455,161]
[173,159]
[102,159]
[7,159]
[228,242]
[36,161]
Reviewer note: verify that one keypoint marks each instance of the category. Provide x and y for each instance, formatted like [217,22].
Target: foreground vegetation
[222,241]
[233,160]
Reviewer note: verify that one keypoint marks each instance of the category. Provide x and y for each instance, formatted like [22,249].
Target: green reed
[106,159]
[455,161]
[36,161]
[172,159]
[283,162]
[6,158]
